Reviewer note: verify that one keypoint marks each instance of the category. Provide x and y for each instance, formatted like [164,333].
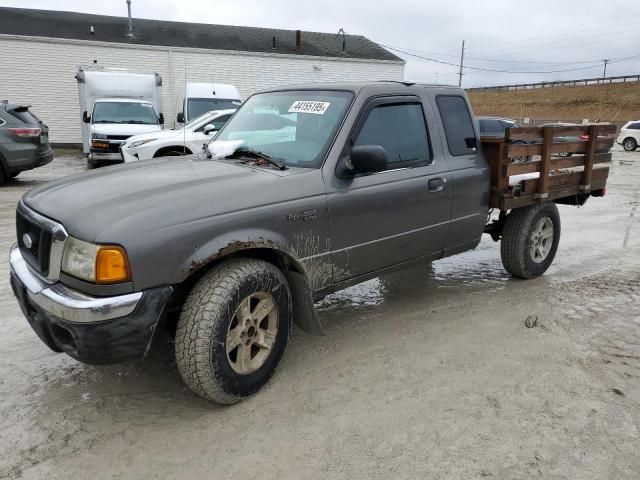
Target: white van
[200,98]
[115,105]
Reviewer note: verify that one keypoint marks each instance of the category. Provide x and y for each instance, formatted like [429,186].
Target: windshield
[124,112]
[294,127]
[193,123]
[198,106]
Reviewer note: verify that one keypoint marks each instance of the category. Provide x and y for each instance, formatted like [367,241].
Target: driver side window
[401,130]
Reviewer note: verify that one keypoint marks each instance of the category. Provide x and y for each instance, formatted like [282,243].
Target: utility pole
[604,74]
[461,64]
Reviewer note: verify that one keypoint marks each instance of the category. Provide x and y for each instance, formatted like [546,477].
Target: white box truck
[201,98]
[115,105]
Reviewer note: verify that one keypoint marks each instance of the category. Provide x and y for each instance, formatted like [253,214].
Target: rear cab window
[457,122]
[400,128]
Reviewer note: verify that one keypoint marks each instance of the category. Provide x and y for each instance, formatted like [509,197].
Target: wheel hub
[252,333]
[541,240]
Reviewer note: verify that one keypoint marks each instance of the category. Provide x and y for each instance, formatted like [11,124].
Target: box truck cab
[115,105]
[201,98]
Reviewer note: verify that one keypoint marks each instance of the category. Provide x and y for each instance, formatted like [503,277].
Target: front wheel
[530,238]
[630,145]
[233,329]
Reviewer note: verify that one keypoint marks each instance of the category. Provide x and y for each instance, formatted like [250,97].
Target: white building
[42,50]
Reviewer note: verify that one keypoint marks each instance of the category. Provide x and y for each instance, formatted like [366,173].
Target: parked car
[629,136]
[495,127]
[567,139]
[24,141]
[308,189]
[180,141]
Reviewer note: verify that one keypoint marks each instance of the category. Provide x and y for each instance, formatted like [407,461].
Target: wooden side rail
[582,146]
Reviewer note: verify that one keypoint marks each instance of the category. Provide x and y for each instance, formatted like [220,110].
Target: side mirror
[472,143]
[368,159]
[180,117]
[161,119]
[209,128]
[86,118]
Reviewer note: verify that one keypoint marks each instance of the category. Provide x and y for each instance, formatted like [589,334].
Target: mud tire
[517,237]
[204,321]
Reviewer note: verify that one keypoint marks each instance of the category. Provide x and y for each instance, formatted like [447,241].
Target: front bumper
[129,154]
[97,330]
[105,156]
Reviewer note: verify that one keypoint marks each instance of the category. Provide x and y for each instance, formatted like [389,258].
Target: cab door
[385,218]
[469,179]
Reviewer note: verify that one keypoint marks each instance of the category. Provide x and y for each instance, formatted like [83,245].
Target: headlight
[137,143]
[95,263]
[98,136]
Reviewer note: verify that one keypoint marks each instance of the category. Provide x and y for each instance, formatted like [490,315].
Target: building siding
[40,72]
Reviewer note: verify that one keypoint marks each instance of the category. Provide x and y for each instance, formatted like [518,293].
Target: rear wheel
[630,144]
[530,238]
[233,329]
[565,154]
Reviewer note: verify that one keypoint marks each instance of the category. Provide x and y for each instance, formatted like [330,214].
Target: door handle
[436,184]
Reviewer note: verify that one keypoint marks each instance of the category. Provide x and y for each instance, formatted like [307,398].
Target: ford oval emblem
[27,240]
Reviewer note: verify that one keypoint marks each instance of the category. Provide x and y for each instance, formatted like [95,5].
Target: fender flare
[271,248]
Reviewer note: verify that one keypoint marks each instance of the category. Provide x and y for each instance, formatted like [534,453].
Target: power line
[496,60]
[556,45]
[459,65]
[563,35]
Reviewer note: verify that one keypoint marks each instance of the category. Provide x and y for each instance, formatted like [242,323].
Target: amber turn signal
[112,265]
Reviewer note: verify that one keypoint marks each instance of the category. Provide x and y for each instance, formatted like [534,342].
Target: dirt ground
[428,373]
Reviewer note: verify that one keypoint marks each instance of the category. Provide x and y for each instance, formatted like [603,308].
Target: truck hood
[123,128]
[114,203]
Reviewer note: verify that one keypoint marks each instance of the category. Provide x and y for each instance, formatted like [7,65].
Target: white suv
[629,136]
[186,140]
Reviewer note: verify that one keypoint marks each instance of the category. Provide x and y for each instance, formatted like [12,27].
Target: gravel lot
[429,373]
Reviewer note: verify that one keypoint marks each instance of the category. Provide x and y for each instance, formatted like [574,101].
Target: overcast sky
[538,36]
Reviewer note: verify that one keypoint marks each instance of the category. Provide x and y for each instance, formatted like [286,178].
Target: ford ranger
[305,191]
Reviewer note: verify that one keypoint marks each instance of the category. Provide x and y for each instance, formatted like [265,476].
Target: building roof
[77,26]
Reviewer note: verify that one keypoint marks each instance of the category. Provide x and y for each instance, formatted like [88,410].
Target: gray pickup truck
[306,190]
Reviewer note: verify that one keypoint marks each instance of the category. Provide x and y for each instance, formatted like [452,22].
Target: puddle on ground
[472,271]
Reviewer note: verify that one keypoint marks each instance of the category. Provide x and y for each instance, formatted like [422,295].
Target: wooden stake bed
[545,176]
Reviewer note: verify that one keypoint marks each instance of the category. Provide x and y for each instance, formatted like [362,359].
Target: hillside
[611,102]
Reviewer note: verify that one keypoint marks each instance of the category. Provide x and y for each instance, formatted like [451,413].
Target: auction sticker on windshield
[309,106]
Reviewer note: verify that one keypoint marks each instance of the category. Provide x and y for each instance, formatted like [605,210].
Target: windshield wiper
[261,156]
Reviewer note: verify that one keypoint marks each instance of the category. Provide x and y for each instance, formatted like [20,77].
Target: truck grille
[37,254]
[117,137]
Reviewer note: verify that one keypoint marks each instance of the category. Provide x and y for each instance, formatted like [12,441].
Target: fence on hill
[560,83]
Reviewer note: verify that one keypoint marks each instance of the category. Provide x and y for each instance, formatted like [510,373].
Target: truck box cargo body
[114,105]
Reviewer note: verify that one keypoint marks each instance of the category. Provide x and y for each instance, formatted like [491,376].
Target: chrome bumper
[67,304]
